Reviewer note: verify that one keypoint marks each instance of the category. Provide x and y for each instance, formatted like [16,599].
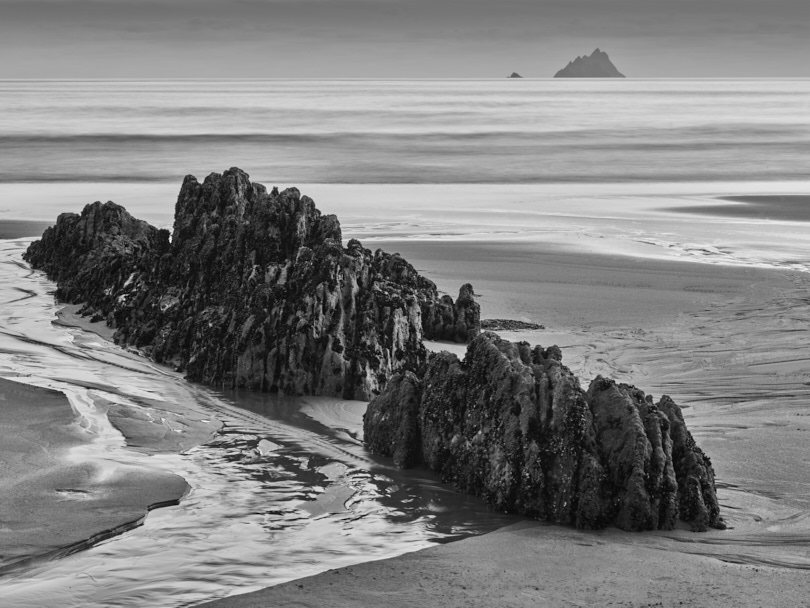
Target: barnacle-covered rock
[254,290]
[511,424]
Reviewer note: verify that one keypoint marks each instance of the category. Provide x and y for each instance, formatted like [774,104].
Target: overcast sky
[399,38]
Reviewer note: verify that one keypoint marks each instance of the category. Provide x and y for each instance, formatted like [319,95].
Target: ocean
[435,132]
[611,167]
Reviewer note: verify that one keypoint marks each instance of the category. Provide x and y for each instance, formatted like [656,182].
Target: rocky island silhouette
[595,65]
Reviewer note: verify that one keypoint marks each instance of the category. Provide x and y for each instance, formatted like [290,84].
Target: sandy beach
[761,207]
[531,564]
[52,503]
[657,228]
[14,229]
[62,487]
[727,343]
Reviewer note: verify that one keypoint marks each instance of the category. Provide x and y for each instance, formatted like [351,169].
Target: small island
[515,75]
[597,65]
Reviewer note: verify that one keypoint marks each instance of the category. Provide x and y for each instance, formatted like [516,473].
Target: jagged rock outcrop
[595,65]
[511,424]
[444,319]
[254,289]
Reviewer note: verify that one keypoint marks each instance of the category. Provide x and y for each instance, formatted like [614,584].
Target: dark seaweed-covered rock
[697,499]
[511,424]
[458,321]
[395,420]
[509,325]
[254,289]
[104,245]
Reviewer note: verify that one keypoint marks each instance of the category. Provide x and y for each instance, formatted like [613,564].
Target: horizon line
[390,79]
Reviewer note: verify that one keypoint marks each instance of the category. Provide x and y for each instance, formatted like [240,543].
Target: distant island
[515,75]
[598,65]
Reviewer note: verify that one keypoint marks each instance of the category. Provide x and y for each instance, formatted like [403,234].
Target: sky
[400,38]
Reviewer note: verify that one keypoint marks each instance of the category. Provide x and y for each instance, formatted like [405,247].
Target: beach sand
[56,495]
[52,503]
[68,316]
[565,288]
[782,207]
[532,564]
[727,343]
[15,229]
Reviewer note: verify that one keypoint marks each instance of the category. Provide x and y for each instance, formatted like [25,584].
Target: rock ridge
[510,423]
[252,289]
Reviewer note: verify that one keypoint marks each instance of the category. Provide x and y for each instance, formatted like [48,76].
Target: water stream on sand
[277,495]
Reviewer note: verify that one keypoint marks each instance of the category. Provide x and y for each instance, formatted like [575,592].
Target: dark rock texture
[254,289]
[511,424]
[597,65]
[509,325]
[444,319]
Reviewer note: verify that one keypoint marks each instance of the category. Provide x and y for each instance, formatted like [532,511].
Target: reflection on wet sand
[275,495]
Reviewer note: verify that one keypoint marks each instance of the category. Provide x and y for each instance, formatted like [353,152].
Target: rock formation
[515,75]
[509,325]
[511,424]
[597,65]
[253,289]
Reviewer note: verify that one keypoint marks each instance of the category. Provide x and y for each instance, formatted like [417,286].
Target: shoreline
[17,229]
[770,207]
[54,503]
[88,543]
[529,564]
[569,277]
[681,568]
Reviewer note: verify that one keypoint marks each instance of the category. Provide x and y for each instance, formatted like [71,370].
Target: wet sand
[727,343]
[14,229]
[564,288]
[52,503]
[68,316]
[56,495]
[531,564]
[781,207]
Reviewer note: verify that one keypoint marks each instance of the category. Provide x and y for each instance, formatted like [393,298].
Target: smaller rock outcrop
[509,325]
[511,424]
[595,65]
[458,321]
[515,75]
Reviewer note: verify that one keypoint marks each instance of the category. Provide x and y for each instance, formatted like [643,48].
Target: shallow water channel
[275,496]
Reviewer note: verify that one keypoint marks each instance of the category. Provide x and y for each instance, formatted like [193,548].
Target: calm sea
[484,131]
